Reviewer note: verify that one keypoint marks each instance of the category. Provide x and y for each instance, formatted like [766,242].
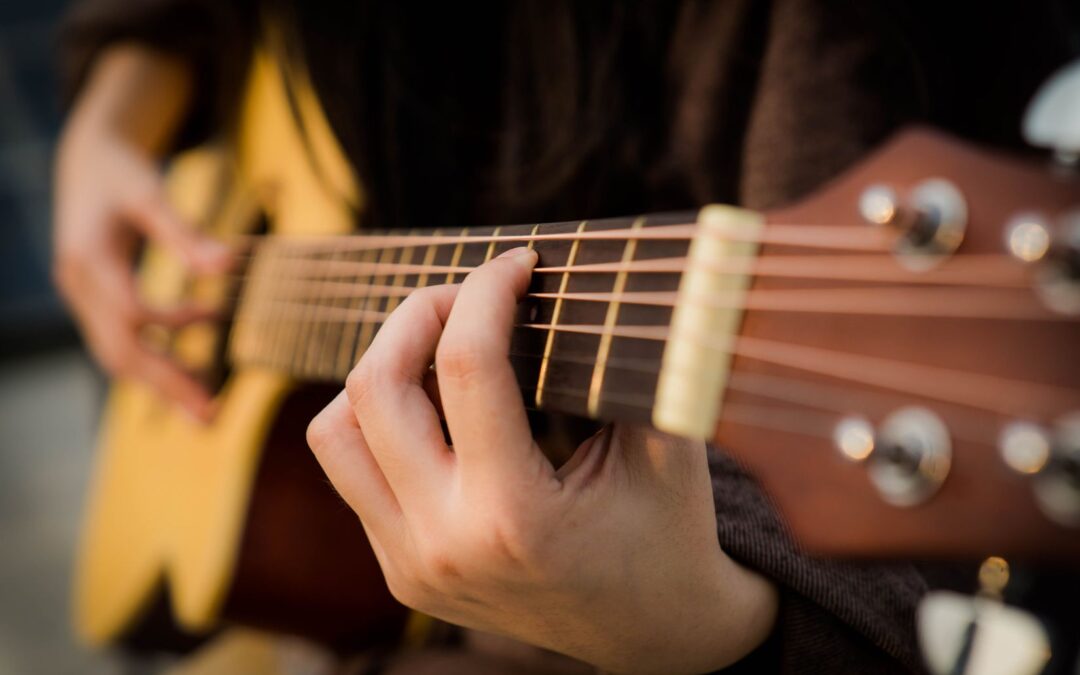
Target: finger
[587,459]
[431,388]
[172,383]
[386,391]
[110,286]
[484,410]
[112,326]
[344,455]
[176,317]
[155,217]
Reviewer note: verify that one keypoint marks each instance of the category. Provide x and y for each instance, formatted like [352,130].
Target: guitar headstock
[909,385]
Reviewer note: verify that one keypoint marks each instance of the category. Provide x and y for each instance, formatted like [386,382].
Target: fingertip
[521,260]
[200,410]
[522,255]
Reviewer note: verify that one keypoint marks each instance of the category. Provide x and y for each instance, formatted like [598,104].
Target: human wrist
[727,612]
[134,95]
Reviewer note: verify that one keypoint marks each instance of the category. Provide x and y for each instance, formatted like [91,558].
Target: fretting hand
[613,558]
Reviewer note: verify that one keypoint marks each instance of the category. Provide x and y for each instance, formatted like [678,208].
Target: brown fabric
[755,102]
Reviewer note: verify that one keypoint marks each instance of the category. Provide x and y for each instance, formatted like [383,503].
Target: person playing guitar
[640,552]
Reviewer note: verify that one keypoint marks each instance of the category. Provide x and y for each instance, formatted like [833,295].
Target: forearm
[134,93]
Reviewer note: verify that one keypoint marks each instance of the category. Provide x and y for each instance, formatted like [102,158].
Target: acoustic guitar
[895,359]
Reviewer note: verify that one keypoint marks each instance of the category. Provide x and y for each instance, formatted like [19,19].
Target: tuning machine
[982,634]
[931,218]
[1052,119]
[1052,458]
[908,457]
[1032,238]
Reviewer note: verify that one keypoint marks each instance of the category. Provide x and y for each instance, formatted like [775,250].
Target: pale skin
[612,558]
[108,197]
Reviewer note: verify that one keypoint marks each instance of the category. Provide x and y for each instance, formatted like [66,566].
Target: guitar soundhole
[219,368]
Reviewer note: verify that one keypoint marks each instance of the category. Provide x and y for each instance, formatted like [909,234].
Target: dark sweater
[746,102]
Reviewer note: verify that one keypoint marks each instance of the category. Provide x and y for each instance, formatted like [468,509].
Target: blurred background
[49,393]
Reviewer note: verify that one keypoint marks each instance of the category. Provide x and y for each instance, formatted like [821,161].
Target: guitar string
[843,237]
[996,270]
[767,417]
[782,388]
[994,393]
[1019,305]
[646,332]
[835,399]
[636,332]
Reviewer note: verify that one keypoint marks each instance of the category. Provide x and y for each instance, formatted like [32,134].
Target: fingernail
[523,253]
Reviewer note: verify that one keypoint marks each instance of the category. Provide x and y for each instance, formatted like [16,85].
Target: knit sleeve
[213,36]
[834,617]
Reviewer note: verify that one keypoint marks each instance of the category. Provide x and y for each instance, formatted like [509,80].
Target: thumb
[660,458]
[156,218]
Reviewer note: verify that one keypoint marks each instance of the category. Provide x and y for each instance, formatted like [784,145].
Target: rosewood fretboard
[311,307]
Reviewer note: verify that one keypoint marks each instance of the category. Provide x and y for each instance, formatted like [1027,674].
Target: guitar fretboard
[589,339]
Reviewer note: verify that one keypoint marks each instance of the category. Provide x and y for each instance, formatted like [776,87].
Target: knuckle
[438,566]
[404,589]
[318,431]
[514,540]
[362,382]
[460,359]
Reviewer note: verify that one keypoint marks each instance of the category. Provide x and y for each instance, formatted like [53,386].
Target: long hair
[497,112]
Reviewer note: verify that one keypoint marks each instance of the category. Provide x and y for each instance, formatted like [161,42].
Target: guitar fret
[399,278]
[549,342]
[371,304]
[491,245]
[319,324]
[245,337]
[256,313]
[456,258]
[291,330]
[319,362]
[429,258]
[602,352]
[359,344]
[307,324]
[348,340]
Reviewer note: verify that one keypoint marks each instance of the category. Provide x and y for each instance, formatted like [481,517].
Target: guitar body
[189,509]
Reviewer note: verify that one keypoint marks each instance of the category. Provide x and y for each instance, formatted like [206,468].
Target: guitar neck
[829,354]
[594,337]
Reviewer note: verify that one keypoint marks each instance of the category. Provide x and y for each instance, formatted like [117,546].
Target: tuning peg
[907,458]
[1052,119]
[1052,458]
[931,218]
[981,634]
[1054,246]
